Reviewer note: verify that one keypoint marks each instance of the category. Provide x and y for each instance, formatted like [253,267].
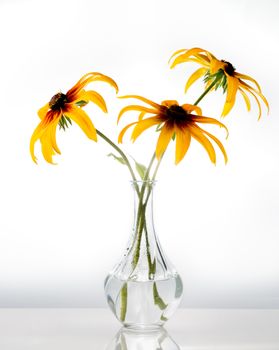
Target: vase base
[142,327]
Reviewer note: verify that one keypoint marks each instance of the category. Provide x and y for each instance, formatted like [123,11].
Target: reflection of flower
[224,75]
[173,121]
[62,109]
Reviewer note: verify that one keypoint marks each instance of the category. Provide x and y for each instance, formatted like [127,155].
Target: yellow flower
[225,75]
[62,109]
[173,122]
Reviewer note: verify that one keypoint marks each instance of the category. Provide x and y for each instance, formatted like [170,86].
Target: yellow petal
[195,76]
[249,88]
[94,97]
[123,131]
[247,77]
[141,115]
[135,108]
[198,135]
[233,84]
[163,140]
[46,147]
[43,111]
[83,121]
[146,100]
[50,118]
[105,79]
[143,125]
[205,58]
[183,139]
[258,103]
[190,108]
[206,120]
[169,103]
[34,138]
[53,137]
[218,142]
[85,80]
[216,65]
[246,99]
[176,53]
[185,56]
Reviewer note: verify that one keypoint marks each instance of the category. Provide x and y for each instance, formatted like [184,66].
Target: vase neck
[143,209]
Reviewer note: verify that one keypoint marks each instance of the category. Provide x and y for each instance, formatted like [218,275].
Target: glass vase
[144,289]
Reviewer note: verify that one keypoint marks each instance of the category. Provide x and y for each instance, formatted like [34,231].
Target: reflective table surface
[189,329]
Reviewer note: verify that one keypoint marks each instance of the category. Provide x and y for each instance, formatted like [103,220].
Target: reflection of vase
[144,289]
[127,339]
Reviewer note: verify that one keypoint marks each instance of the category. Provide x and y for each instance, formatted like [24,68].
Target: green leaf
[141,169]
[159,127]
[81,103]
[63,122]
[119,159]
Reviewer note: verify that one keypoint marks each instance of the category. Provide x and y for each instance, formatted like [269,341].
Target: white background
[63,227]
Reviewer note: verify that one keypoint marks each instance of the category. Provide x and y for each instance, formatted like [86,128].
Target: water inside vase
[143,304]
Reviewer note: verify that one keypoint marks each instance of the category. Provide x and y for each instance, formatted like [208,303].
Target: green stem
[123,155]
[218,77]
[123,310]
[140,223]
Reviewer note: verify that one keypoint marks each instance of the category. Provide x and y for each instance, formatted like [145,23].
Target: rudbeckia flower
[173,122]
[65,108]
[225,76]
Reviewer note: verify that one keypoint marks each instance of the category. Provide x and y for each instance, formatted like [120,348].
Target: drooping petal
[190,108]
[199,136]
[94,97]
[217,141]
[83,121]
[258,103]
[146,100]
[204,57]
[176,53]
[47,145]
[247,77]
[50,118]
[43,111]
[233,84]
[194,77]
[142,125]
[123,131]
[141,115]
[85,80]
[183,140]
[163,140]
[136,108]
[207,120]
[53,129]
[186,55]
[246,99]
[249,88]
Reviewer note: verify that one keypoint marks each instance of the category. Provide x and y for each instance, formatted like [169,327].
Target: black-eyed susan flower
[64,108]
[173,122]
[220,73]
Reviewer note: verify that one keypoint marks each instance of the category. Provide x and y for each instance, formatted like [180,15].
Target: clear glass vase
[144,289]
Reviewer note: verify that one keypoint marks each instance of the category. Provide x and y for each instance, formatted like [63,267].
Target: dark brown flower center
[58,101]
[176,114]
[229,68]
